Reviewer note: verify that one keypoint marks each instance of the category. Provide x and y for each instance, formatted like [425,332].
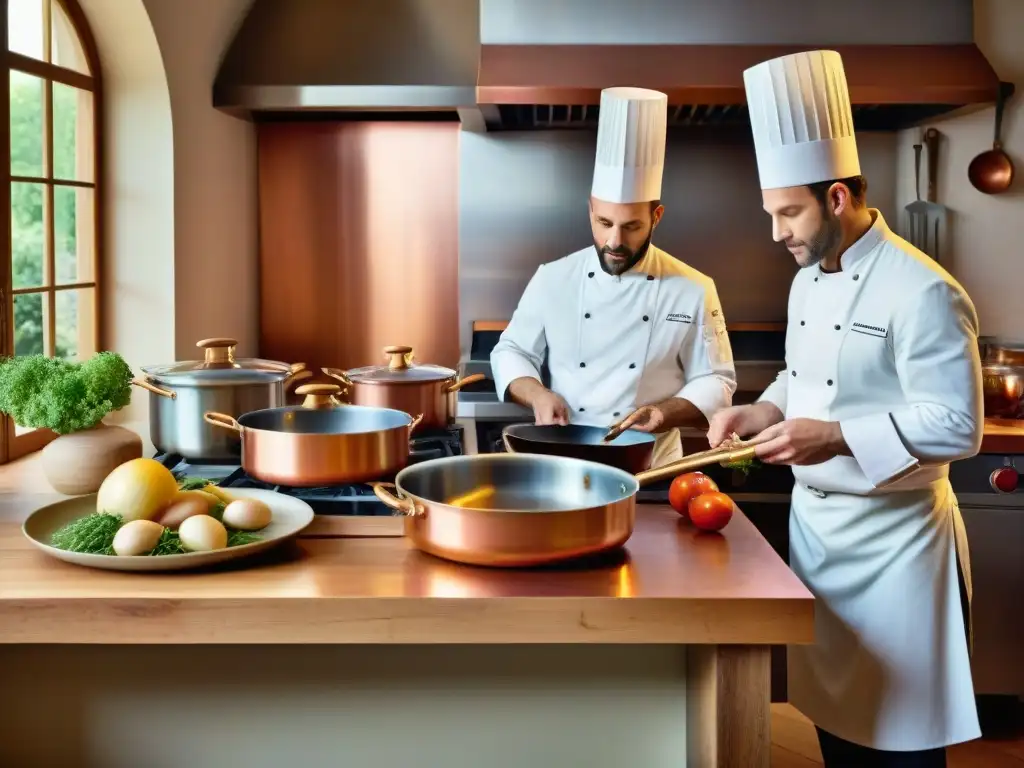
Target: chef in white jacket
[628,330]
[881,391]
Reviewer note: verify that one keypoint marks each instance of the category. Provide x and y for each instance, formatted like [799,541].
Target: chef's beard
[632,257]
[824,243]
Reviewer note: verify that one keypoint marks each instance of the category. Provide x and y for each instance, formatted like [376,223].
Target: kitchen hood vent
[549,87]
[361,56]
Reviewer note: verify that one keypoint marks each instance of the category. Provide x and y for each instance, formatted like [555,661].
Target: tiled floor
[794,745]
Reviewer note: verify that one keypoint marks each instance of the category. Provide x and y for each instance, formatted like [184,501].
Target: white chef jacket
[618,342]
[888,348]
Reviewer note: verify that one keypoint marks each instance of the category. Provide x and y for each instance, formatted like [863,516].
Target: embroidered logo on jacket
[679,318]
[870,330]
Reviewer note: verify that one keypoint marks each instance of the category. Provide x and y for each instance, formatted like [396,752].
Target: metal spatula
[926,218]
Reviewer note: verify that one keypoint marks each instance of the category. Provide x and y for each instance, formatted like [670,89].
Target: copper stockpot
[316,443]
[406,386]
[517,509]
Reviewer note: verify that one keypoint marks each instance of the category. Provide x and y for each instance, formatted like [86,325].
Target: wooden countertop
[671,584]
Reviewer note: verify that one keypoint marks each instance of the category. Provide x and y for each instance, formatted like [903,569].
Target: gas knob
[1004,480]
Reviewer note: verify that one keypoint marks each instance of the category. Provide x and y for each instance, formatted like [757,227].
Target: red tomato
[686,487]
[710,511]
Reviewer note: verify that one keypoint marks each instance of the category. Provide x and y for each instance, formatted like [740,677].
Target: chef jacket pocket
[866,354]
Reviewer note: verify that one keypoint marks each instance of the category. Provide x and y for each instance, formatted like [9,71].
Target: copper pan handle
[415,422]
[404,506]
[696,461]
[222,420]
[170,393]
[295,376]
[340,375]
[468,380]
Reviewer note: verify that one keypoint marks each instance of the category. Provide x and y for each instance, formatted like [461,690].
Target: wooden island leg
[728,699]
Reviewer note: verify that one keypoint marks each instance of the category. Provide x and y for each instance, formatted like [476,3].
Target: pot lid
[219,365]
[400,369]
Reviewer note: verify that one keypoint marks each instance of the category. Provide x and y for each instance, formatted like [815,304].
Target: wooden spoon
[992,171]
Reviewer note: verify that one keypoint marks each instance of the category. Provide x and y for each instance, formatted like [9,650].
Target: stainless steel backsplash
[523,202]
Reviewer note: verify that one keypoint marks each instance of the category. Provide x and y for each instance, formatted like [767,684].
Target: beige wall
[180,261]
[987,232]
[215,256]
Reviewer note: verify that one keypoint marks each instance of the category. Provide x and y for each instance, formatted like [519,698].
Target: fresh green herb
[217,512]
[744,466]
[192,483]
[169,544]
[92,534]
[238,538]
[45,392]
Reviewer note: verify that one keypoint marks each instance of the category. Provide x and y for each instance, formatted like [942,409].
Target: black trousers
[837,753]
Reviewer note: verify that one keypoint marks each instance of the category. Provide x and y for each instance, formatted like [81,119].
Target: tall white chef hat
[801,119]
[630,145]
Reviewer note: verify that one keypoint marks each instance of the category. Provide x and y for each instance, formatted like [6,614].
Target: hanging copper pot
[406,386]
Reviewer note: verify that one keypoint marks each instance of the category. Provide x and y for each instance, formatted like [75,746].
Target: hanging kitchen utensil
[927,219]
[406,386]
[180,393]
[518,509]
[630,451]
[992,171]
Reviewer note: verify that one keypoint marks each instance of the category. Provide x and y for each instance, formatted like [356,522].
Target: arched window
[50,268]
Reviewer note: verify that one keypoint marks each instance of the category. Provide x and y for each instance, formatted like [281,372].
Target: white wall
[987,232]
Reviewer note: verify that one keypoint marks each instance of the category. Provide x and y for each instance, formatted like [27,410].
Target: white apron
[889,667]
[617,342]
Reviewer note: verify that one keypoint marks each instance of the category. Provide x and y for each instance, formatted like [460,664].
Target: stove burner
[355,499]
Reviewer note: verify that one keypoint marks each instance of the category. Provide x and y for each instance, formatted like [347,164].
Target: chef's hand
[550,408]
[800,442]
[743,420]
[648,418]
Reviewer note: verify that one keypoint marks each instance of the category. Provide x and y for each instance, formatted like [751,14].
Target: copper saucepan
[317,444]
[406,386]
[517,509]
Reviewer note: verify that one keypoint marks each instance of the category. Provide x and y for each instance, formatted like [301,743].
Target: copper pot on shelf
[321,442]
[519,510]
[1003,390]
[404,385]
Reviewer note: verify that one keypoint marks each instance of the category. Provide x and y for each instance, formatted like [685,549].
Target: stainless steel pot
[180,393]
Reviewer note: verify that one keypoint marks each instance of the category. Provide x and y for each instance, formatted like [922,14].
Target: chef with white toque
[628,331]
[881,391]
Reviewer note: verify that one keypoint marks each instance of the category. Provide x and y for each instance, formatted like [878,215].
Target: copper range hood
[523,87]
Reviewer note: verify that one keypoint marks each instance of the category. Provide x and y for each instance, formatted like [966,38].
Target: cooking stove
[341,502]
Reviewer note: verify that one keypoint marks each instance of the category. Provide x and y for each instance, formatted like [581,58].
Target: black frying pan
[631,451]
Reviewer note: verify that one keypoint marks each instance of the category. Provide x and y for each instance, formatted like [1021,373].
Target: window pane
[27,235]
[73,147]
[76,324]
[65,47]
[26,125]
[74,234]
[25,27]
[30,322]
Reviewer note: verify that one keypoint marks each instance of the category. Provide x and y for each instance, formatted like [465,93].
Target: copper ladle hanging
[992,171]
